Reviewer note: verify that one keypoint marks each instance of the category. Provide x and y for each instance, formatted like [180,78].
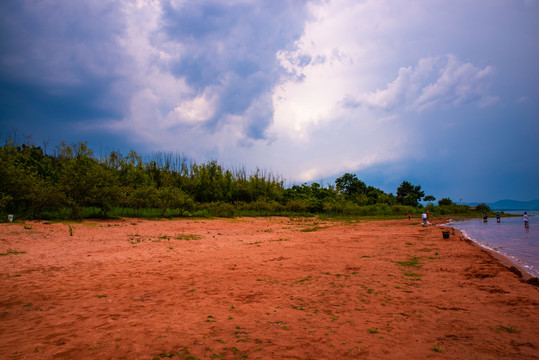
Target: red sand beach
[257,288]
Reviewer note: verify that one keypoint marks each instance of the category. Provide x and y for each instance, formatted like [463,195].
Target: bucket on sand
[10,218]
[445,233]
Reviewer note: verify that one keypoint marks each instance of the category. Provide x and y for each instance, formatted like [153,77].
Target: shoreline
[506,260]
[503,259]
[257,288]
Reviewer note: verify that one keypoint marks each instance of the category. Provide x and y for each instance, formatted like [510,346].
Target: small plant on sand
[509,329]
[437,349]
[182,354]
[12,252]
[301,281]
[411,274]
[188,237]
[314,228]
[413,262]
[279,240]
[373,331]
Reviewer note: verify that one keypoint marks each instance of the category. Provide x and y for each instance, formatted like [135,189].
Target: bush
[445,202]
[483,208]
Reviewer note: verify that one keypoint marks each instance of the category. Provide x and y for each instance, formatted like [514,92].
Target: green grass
[301,281]
[413,262]
[437,349]
[12,252]
[314,228]
[509,329]
[411,274]
[373,331]
[188,237]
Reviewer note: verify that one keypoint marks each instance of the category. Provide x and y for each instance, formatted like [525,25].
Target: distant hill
[512,205]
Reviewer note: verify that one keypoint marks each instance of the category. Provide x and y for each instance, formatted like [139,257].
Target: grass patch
[411,274]
[509,329]
[255,243]
[182,354]
[314,228]
[279,240]
[437,349]
[188,237]
[373,331]
[301,281]
[413,262]
[12,252]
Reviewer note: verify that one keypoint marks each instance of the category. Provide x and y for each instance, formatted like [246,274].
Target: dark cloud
[237,41]
[58,64]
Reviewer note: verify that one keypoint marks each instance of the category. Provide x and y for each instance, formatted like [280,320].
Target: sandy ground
[264,288]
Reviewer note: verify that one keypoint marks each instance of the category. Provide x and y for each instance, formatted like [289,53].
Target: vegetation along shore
[73,183]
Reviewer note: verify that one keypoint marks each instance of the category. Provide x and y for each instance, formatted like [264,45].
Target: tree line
[74,183]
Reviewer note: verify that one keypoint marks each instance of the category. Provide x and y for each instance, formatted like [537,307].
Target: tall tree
[350,186]
[408,194]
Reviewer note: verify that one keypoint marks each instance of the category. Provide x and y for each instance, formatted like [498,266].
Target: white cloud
[346,50]
[435,82]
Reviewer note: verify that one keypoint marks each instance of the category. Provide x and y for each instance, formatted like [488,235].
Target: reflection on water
[508,237]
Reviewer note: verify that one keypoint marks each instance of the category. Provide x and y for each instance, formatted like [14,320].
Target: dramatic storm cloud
[443,94]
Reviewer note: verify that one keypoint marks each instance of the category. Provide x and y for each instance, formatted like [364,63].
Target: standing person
[409,216]
[526,222]
[498,219]
[485,218]
[424,218]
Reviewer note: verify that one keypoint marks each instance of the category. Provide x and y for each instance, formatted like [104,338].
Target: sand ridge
[257,288]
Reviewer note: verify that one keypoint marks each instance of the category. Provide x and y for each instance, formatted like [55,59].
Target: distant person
[409,216]
[498,218]
[424,218]
[526,222]
[485,217]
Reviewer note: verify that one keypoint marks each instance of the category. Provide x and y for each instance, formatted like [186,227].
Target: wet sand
[264,288]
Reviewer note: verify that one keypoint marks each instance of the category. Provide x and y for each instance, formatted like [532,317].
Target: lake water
[509,238]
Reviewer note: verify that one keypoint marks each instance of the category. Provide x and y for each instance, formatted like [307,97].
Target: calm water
[509,238]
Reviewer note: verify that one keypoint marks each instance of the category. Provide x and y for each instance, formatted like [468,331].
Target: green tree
[484,208]
[142,198]
[170,197]
[350,186]
[429,198]
[445,202]
[408,194]
[76,174]
[105,191]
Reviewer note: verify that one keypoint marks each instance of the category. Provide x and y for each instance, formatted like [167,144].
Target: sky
[443,94]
